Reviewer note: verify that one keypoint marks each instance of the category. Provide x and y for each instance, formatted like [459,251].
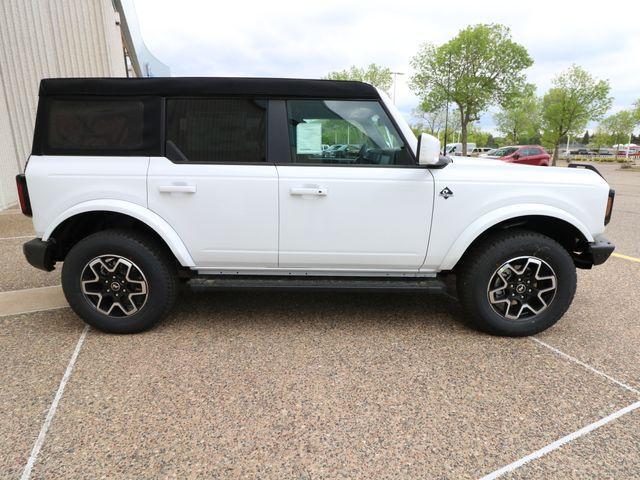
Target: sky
[308,39]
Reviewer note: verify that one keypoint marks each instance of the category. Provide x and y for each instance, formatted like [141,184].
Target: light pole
[395,74]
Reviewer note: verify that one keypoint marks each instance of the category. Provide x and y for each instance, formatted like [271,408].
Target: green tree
[619,126]
[574,99]
[520,118]
[432,119]
[585,138]
[376,75]
[481,66]
[478,136]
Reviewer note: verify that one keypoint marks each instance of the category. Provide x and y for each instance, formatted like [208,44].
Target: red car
[524,154]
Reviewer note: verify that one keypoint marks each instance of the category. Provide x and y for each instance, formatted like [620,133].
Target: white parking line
[585,365]
[26,473]
[22,237]
[560,442]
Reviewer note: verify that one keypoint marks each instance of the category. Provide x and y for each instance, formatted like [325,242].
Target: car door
[214,185]
[370,211]
[523,156]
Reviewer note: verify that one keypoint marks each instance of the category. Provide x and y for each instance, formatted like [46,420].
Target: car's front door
[365,211]
[214,185]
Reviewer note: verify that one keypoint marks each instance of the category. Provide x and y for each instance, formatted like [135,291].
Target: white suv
[136,184]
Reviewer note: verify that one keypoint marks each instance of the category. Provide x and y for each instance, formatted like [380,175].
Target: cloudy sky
[308,39]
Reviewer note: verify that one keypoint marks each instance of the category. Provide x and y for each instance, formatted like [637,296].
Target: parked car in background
[488,153]
[456,148]
[581,151]
[331,150]
[523,154]
[632,151]
[604,152]
[476,152]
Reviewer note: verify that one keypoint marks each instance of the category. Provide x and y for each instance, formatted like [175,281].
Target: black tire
[152,266]
[480,266]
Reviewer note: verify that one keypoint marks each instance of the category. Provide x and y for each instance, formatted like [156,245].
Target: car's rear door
[214,185]
[367,212]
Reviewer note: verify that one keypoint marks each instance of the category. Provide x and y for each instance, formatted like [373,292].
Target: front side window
[216,130]
[344,132]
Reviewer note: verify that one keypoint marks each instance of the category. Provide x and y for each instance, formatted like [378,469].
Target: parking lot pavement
[16,229]
[602,328]
[609,452]
[14,224]
[34,351]
[624,228]
[17,273]
[324,385]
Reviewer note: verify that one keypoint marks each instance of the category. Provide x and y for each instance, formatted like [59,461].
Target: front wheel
[119,281]
[516,283]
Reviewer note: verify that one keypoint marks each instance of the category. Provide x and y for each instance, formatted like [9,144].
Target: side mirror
[516,156]
[428,150]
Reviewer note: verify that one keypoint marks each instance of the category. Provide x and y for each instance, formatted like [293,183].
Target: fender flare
[146,216]
[483,223]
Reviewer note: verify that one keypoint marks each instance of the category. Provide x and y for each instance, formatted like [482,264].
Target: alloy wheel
[114,285]
[522,288]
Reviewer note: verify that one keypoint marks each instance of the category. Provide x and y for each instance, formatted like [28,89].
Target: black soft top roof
[208,86]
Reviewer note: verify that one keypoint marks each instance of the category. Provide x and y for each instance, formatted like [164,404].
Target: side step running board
[428,285]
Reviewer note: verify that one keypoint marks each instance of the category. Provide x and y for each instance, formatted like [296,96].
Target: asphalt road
[324,385]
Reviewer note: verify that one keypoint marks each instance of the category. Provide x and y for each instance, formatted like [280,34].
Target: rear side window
[100,126]
[216,130]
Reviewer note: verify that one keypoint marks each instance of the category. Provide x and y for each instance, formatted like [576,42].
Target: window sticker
[309,138]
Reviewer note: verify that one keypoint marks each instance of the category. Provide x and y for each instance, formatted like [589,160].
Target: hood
[498,171]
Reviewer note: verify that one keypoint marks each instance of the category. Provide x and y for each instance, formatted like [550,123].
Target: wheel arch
[567,230]
[89,217]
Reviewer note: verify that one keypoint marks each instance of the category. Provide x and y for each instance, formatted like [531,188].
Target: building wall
[41,39]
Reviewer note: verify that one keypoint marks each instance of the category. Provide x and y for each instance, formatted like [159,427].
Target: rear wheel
[119,281]
[516,283]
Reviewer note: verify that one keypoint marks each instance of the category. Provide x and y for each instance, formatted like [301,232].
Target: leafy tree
[376,75]
[585,138]
[574,99]
[491,142]
[619,126]
[481,66]
[432,119]
[478,136]
[520,118]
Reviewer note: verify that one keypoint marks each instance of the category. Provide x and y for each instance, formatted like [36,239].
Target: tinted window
[217,130]
[535,151]
[356,132]
[100,126]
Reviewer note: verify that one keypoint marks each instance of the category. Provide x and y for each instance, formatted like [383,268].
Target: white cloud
[309,39]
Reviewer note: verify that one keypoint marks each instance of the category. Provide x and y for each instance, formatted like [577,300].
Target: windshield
[503,152]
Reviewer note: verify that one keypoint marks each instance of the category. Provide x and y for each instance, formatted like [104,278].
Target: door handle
[177,188]
[317,191]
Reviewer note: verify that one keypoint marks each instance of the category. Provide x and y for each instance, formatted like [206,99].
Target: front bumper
[596,253]
[40,254]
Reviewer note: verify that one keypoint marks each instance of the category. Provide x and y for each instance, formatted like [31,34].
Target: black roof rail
[585,165]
